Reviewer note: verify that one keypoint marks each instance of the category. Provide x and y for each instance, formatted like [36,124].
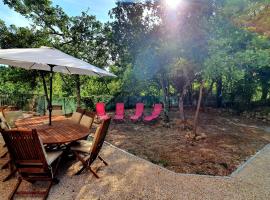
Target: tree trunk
[264,91]
[190,95]
[181,108]
[219,92]
[195,122]
[206,93]
[181,102]
[78,90]
[165,90]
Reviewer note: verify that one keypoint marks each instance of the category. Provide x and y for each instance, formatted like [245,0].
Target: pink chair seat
[135,117]
[155,114]
[138,112]
[148,118]
[103,117]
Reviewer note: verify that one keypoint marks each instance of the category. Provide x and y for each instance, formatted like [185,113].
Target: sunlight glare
[172,3]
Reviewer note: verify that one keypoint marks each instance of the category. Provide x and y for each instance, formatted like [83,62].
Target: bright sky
[99,8]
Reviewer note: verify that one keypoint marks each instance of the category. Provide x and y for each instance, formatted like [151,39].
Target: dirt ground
[230,140]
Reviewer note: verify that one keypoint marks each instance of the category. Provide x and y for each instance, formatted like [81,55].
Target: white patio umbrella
[49,59]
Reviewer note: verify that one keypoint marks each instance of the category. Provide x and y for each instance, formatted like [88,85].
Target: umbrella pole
[50,103]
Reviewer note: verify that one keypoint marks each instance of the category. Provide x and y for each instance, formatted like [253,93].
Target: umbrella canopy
[43,58]
[49,59]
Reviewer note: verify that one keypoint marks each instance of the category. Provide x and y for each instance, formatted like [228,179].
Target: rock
[189,135]
[177,121]
[166,125]
[203,135]
[198,138]
[136,128]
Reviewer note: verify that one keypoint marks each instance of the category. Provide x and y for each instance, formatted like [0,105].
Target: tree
[152,40]
[195,122]
[20,37]
[182,76]
[81,36]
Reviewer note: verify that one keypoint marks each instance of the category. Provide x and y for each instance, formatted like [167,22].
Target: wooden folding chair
[88,119]
[2,127]
[7,163]
[76,116]
[31,160]
[88,151]
[4,153]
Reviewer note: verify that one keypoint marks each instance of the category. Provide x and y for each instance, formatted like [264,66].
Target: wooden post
[195,122]
[50,102]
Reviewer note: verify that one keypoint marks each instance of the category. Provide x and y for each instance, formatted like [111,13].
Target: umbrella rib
[68,69]
[32,66]
[96,73]
[92,71]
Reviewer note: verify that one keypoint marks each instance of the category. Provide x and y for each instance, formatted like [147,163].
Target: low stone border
[244,164]
[232,175]
[163,168]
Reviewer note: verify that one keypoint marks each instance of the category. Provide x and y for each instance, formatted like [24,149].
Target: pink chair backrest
[119,109]
[100,109]
[139,109]
[157,109]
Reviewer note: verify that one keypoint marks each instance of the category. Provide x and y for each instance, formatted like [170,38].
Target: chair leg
[5,165]
[33,193]
[82,161]
[80,171]
[57,165]
[48,190]
[10,175]
[103,160]
[85,165]
[4,155]
[15,189]
[93,172]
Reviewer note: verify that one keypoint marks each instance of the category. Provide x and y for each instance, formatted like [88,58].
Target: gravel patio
[130,177]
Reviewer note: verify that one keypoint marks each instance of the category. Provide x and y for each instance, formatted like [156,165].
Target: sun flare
[172,3]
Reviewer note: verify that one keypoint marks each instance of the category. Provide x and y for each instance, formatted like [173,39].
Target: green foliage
[81,36]
[154,51]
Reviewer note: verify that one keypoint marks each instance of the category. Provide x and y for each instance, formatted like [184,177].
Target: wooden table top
[61,131]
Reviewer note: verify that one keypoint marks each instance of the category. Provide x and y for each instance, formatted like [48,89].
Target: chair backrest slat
[88,119]
[90,114]
[99,139]
[80,110]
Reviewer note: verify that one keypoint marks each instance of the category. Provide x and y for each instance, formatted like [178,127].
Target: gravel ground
[229,141]
[130,177]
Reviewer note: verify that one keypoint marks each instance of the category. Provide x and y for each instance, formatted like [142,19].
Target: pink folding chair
[138,112]
[155,114]
[119,112]
[100,109]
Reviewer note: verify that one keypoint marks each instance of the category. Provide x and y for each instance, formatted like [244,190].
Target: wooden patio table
[61,131]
